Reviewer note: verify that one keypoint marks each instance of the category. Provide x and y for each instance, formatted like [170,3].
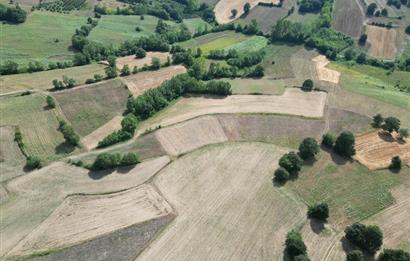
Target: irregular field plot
[132,61]
[348,17]
[323,73]
[277,60]
[37,125]
[91,140]
[266,17]
[43,80]
[225,201]
[256,86]
[36,38]
[81,218]
[140,82]
[90,106]
[196,24]
[375,149]
[11,158]
[255,43]
[383,42]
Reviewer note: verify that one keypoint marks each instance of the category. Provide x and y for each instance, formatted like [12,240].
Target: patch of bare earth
[323,73]
[376,149]
[383,42]
[223,9]
[140,82]
[132,61]
[91,140]
[80,218]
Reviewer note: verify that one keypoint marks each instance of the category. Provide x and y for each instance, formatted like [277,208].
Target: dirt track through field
[383,42]
[80,218]
[140,62]
[227,207]
[91,140]
[375,149]
[323,73]
[140,82]
[223,9]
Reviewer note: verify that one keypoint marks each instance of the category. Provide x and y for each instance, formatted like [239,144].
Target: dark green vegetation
[344,144]
[368,238]
[108,161]
[68,132]
[394,255]
[291,162]
[14,15]
[128,126]
[319,211]
[355,255]
[295,246]
[308,148]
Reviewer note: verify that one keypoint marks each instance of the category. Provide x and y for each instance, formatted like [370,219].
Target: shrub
[69,134]
[140,53]
[377,121]
[394,255]
[106,161]
[396,163]
[291,162]
[368,238]
[33,162]
[129,123]
[403,133]
[281,175]
[307,85]
[344,144]
[319,211]
[113,138]
[328,140]
[125,70]
[294,244]
[50,102]
[355,255]
[129,159]
[308,148]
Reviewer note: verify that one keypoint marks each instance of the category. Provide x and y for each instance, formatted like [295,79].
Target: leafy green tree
[328,140]
[344,144]
[246,8]
[371,9]
[291,162]
[361,58]
[408,30]
[301,258]
[363,39]
[129,123]
[111,61]
[396,163]
[9,67]
[140,53]
[391,124]
[125,70]
[111,72]
[33,162]
[319,211]
[368,238]
[50,102]
[155,63]
[308,148]
[377,120]
[394,255]
[234,12]
[281,175]
[403,133]
[129,159]
[355,255]
[69,134]
[198,70]
[307,85]
[106,161]
[295,245]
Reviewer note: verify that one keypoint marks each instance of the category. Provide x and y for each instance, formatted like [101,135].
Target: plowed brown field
[383,42]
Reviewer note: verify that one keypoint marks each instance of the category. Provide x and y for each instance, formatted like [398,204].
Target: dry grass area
[302,65]
[12,161]
[223,9]
[375,149]
[190,135]
[225,201]
[91,140]
[132,61]
[140,82]
[323,73]
[383,42]
[81,218]
[36,195]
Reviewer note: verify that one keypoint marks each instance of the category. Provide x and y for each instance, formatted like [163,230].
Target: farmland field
[348,17]
[196,24]
[255,43]
[266,17]
[257,86]
[132,61]
[11,158]
[44,37]
[90,106]
[277,61]
[383,42]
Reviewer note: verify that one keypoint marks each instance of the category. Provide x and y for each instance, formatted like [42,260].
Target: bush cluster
[12,14]
[368,238]
[108,160]
[319,211]
[128,126]
[295,247]
[68,132]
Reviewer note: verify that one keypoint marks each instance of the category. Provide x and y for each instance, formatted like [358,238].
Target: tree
[395,163]
[125,70]
[391,124]
[50,102]
[394,255]
[295,245]
[355,255]
[106,161]
[307,85]
[363,39]
[328,140]
[291,162]
[140,53]
[155,63]
[68,133]
[344,144]
[384,12]
[129,123]
[111,72]
[408,30]
[111,61]
[234,12]
[281,175]
[319,211]
[403,133]
[361,58]
[246,8]
[198,69]
[371,9]
[129,159]
[308,148]
[377,121]
[33,162]
[368,238]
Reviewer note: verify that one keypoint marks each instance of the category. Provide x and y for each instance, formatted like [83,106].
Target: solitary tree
[377,120]
[308,148]
[307,85]
[140,53]
[33,162]
[391,124]
[125,70]
[246,8]
[291,162]
[345,144]
[50,102]
[234,12]
[295,245]
[319,211]
[355,255]
[395,163]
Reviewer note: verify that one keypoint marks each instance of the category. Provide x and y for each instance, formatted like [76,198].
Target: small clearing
[91,140]
[140,82]
[323,73]
[11,159]
[81,218]
[375,149]
[383,42]
[223,9]
[132,61]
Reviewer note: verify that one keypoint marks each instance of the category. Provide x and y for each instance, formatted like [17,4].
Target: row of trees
[67,82]
[109,160]
[128,127]
[70,136]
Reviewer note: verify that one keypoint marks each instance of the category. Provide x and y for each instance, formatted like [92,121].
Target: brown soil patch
[323,73]
[80,218]
[383,42]
[187,136]
[91,140]
[140,82]
[132,61]
[375,149]
[223,9]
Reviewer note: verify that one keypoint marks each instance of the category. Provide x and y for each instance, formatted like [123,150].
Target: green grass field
[42,80]
[37,124]
[257,86]
[115,29]
[255,43]
[375,83]
[89,107]
[280,54]
[45,36]
[196,24]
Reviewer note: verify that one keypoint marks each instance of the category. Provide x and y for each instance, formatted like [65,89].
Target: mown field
[257,86]
[196,24]
[266,17]
[277,60]
[255,43]
[44,37]
[115,29]
[89,107]
[43,80]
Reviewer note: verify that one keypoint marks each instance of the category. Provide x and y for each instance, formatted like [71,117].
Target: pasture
[44,37]
[277,62]
[132,61]
[255,43]
[196,25]
[90,106]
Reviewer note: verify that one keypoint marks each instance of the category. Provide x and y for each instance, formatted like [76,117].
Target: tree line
[12,14]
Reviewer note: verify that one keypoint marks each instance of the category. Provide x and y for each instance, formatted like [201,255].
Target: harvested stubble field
[91,140]
[35,196]
[223,9]
[349,17]
[131,61]
[89,107]
[43,80]
[226,201]
[376,149]
[140,82]
[323,73]
[11,159]
[81,218]
[256,86]
[266,17]
[383,42]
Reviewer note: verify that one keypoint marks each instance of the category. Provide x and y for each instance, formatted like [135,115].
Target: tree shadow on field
[285,256]
[99,174]
[309,162]
[125,169]
[386,136]
[336,158]
[317,226]
[64,148]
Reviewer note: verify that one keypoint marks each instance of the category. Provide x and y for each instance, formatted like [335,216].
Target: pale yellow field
[383,42]
[140,62]
[323,73]
[91,140]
